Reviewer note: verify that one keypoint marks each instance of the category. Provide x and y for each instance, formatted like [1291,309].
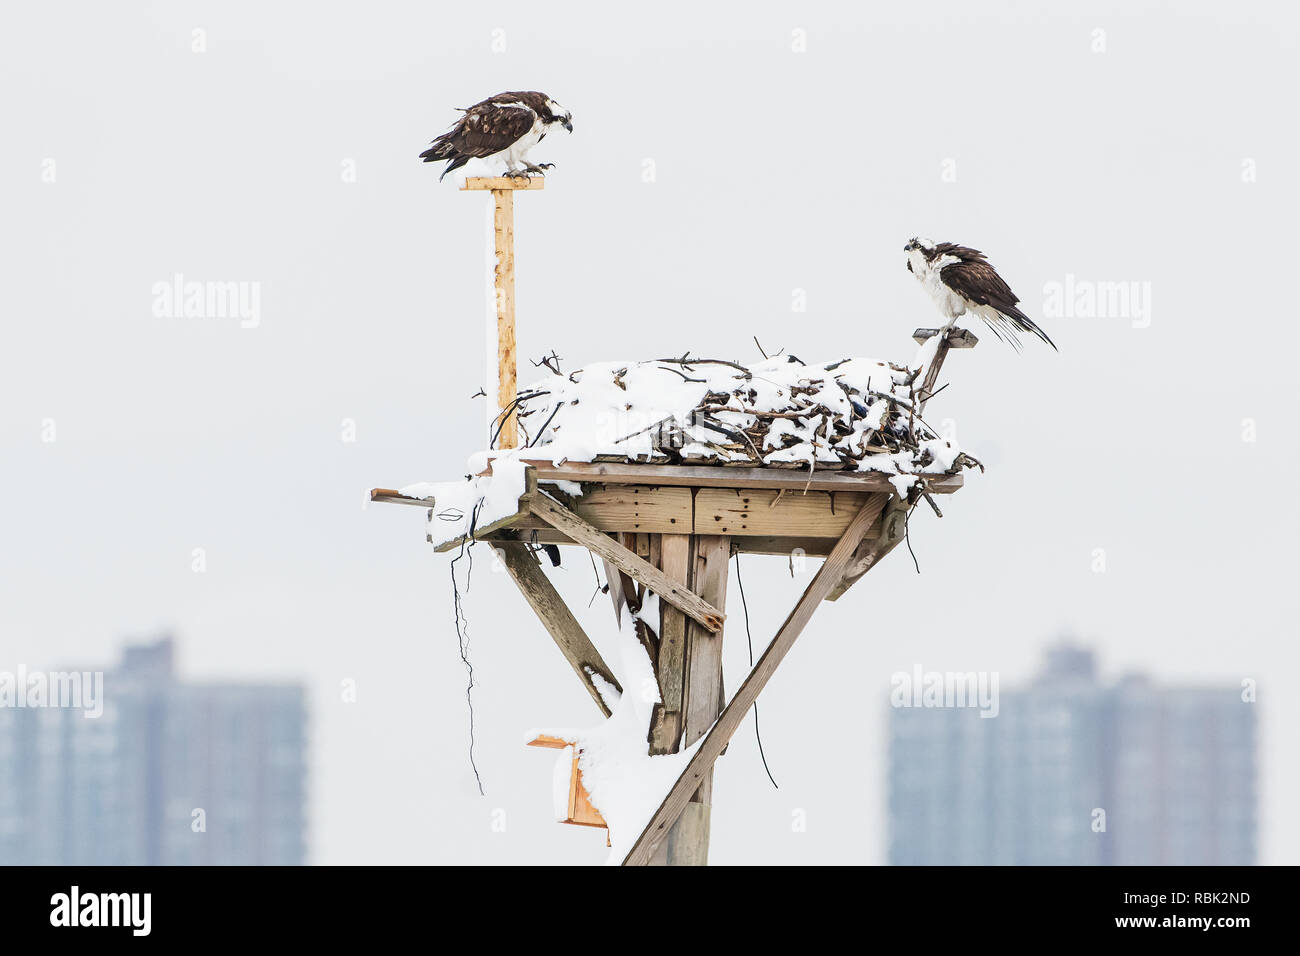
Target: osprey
[503,127]
[960,279]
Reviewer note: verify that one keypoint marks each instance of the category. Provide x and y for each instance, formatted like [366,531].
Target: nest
[853,414]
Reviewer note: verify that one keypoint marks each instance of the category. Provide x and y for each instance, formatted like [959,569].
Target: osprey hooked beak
[568,124]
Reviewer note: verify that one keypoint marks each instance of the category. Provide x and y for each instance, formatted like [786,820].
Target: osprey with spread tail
[503,127]
[959,280]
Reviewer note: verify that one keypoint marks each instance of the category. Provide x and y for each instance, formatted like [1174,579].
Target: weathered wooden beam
[783,546]
[734,714]
[395,497]
[561,518]
[559,621]
[688,839]
[702,701]
[954,339]
[637,509]
[893,529]
[763,511]
[670,667]
[536,531]
[729,476]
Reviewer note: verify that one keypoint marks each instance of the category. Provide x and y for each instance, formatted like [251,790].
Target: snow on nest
[851,414]
[855,414]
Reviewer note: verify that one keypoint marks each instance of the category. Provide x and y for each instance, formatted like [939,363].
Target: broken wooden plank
[559,621]
[394,497]
[734,714]
[560,517]
[763,511]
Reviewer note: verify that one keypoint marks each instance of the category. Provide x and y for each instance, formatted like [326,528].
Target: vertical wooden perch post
[503,285]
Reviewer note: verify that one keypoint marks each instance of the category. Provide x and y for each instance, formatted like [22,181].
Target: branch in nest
[551,361]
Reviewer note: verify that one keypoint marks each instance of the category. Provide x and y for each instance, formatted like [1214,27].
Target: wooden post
[952,339]
[503,285]
[688,839]
[699,769]
[670,668]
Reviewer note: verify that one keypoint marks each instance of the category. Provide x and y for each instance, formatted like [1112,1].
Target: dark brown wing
[976,281]
[490,127]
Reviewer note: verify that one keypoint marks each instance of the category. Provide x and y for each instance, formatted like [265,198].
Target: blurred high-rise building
[171,773]
[1076,771]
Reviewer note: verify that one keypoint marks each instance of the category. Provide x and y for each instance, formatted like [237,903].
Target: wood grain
[763,511]
[503,226]
[733,715]
[503,182]
[561,518]
[559,621]
[740,476]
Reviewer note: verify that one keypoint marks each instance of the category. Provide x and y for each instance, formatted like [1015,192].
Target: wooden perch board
[551,511]
[503,182]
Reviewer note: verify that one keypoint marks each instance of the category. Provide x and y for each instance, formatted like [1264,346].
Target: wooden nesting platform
[762,510]
[671,531]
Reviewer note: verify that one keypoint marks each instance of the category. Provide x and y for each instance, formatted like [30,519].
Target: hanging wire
[750,639]
[462,630]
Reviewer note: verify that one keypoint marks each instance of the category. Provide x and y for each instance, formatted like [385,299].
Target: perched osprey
[960,279]
[503,127]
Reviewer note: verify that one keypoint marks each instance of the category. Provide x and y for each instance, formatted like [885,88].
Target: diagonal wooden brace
[636,567]
[893,528]
[560,623]
[831,571]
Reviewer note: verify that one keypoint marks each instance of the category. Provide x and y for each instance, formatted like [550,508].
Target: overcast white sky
[1167,158]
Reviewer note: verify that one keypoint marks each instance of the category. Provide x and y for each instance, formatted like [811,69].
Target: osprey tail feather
[443,148]
[1019,320]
